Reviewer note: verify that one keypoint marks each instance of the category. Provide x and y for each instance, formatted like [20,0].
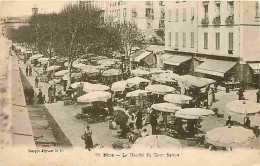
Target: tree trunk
[69,80]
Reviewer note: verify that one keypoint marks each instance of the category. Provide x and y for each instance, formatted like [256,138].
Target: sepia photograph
[129,82]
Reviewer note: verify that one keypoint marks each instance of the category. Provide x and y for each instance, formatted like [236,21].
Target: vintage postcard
[129,82]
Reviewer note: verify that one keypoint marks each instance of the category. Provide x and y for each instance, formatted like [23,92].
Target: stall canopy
[142,56]
[215,67]
[166,56]
[176,60]
[255,67]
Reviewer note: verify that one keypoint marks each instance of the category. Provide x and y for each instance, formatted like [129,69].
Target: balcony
[205,22]
[230,20]
[216,21]
[161,24]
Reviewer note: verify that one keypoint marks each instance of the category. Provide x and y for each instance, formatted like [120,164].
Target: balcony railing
[216,21]
[161,24]
[205,22]
[230,20]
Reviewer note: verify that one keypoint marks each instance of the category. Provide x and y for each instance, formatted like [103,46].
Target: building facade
[225,33]
[147,15]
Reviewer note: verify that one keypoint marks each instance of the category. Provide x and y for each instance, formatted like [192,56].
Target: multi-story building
[216,39]
[148,15]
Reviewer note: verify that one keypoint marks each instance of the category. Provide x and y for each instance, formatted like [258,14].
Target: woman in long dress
[88,138]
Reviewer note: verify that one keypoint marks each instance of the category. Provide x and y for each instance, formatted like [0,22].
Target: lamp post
[123,65]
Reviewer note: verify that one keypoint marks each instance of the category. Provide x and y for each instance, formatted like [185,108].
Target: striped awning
[215,67]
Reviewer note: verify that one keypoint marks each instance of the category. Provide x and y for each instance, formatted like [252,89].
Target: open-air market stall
[229,137]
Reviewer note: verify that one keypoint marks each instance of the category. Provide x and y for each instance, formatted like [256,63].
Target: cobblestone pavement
[74,128]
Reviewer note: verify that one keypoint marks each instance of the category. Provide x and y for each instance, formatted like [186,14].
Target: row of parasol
[222,137]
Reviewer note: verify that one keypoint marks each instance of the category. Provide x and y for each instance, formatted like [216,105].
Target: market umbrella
[61,73]
[36,56]
[193,113]
[229,136]
[172,76]
[156,142]
[85,84]
[53,68]
[140,72]
[136,93]
[73,75]
[164,79]
[136,81]
[90,70]
[94,96]
[119,86]
[79,65]
[111,72]
[166,107]
[96,87]
[159,89]
[157,71]
[243,107]
[43,59]
[106,62]
[177,99]
[101,67]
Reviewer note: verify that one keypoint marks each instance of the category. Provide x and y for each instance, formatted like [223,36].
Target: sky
[22,8]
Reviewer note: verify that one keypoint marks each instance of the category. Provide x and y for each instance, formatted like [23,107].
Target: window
[184,14]
[170,15]
[205,40]
[192,40]
[177,15]
[176,39]
[147,12]
[118,14]
[184,40]
[162,14]
[230,41]
[206,10]
[124,12]
[217,41]
[257,14]
[134,13]
[192,13]
[231,8]
[217,9]
[169,39]
[161,3]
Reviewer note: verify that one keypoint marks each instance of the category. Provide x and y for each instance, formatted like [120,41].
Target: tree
[130,37]
[45,28]
[78,26]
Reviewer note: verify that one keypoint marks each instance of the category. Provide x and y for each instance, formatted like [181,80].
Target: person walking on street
[87,138]
[30,71]
[27,71]
[258,96]
[54,93]
[139,120]
[153,122]
[40,97]
[240,93]
[50,94]
[36,82]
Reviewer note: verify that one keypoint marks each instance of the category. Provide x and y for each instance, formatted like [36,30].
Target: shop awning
[215,67]
[142,56]
[255,67]
[136,54]
[176,60]
[166,56]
